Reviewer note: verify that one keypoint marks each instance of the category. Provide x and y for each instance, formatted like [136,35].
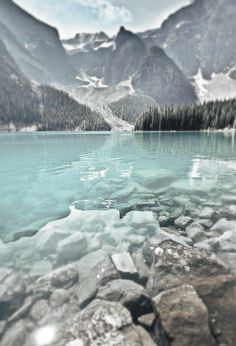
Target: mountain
[86,42]
[161,79]
[35,45]
[127,59]
[201,39]
[26,105]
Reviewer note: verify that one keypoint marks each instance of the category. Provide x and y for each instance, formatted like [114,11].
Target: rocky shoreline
[154,273]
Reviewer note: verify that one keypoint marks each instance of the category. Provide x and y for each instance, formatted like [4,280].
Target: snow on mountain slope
[220,86]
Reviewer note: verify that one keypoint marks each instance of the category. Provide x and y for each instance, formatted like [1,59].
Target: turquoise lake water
[43,174]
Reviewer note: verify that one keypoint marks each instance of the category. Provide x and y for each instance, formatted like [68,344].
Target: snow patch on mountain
[220,86]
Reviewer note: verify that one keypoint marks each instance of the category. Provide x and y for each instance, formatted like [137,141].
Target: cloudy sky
[72,16]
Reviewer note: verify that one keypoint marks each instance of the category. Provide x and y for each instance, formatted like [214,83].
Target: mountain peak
[125,35]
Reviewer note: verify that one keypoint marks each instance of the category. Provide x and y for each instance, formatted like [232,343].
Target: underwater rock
[207,213]
[72,248]
[196,232]
[12,292]
[183,221]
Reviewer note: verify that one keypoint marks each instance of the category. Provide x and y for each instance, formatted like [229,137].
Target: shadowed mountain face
[200,36]
[161,79]
[36,46]
[125,59]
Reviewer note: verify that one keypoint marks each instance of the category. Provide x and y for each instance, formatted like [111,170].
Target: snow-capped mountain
[201,39]
[129,60]
[86,42]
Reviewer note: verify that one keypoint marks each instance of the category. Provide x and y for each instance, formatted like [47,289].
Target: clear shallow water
[43,174]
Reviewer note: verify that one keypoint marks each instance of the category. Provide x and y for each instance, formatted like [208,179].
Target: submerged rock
[183,221]
[196,232]
[24,234]
[48,241]
[63,277]
[207,213]
[184,317]
[72,248]
[12,292]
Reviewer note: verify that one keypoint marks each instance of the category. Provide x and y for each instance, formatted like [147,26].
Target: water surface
[43,174]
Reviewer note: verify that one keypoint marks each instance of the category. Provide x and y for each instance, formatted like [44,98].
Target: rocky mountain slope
[200,39]
[35,45]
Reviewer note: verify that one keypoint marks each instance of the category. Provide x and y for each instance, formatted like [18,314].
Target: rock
[40,268]
[105,271]
[24,234]
[2,327]
[183,221]
[176,213]
[15,335]
[142,267]
[129,294]
[206,223]
[48,241]
[95,269]
[87,291]
[104,323]
[229,258]
[64,277]
[184,317]
[175,265]
[39,310]
[147,320]
[152,244]
[155,179]
[58,298]
[24,309]
[222,226]
[196,232]
[12,292]
[229,212]
[207,213]
[72,248]
[181,200]
[125,265]
[164,221]
[229,199]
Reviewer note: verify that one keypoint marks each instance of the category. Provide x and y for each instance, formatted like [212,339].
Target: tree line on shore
[209,115]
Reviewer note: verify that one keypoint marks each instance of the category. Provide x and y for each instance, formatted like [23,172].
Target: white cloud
[107,11]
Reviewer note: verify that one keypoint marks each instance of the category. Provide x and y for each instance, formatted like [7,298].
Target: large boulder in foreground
[175,265]
[184,317]
[103,323]
[12,292]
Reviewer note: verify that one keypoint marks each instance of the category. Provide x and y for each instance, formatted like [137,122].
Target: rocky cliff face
[161,79]
[125,59]
[38,45]
[200,36]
